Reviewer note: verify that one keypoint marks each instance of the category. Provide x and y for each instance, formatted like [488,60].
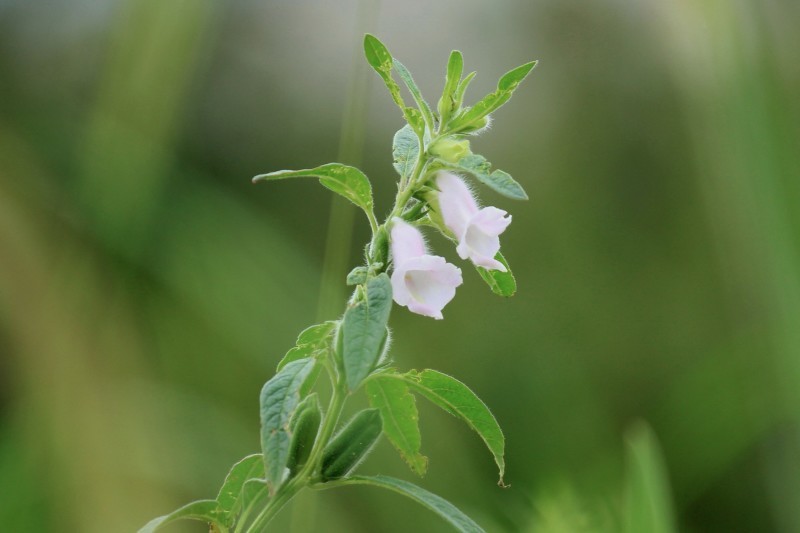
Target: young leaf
[438,505]
[458,400]
[202,510]
[279,399]
[398,410]
[462,88]
[380,59]
[447,103]
[423,106]
[310,343]
[364,330]
[501,283]
[405,150]
[499,181]
[489,103]
[229,499]
[342,179]
[647,504]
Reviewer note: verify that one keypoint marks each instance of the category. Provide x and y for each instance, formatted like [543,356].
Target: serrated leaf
[344,180]
[405,151]
[647,502]
[458,400]
[279,399]
[492,101]
[229,498]
[499,181]
[364,330]
[437,504]
[400,418]
[423,106]
[310,343]
[501,283]
[202,510]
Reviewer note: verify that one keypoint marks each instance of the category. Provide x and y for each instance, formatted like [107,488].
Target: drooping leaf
[501,283]
[202,510]
[364,330]
[405,150]
[310,343]
[229,499]
[423,106]
[279,399]
[499,181]
[458,400]
[342,179]
[398,410]
[489,103]
[647,502]
[437,504]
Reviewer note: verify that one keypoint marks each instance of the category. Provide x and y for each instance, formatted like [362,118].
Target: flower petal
[455,202]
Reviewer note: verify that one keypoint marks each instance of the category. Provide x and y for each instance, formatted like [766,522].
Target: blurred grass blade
[647,504]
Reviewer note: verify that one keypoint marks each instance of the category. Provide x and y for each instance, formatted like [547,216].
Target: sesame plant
[306,446]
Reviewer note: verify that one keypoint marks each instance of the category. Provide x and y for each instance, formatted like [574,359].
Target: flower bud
[450,149]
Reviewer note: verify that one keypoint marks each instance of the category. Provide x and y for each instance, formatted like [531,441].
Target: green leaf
[202,510]
[499,181]
[511,79]
[377,54]
[491,102]
[437,504]
[647,503]
[398,410]
[364,330]
[458,400]
[448,103]
[462,88]
[423,106]
[501,283]
[252,490]
[380,59]
[318,334]
[405,150]
[229,498]
[311,342]
[279,399]
[342,179]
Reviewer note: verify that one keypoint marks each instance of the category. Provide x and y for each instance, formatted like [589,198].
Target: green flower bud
[349,447]
[450,150]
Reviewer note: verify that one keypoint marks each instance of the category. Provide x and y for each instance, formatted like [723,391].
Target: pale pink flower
[477,229]
[422,282]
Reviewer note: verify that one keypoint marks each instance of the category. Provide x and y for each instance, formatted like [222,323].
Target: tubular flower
[477,229]
[422,282]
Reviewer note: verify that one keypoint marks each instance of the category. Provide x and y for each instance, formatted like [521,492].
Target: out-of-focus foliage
[147,290]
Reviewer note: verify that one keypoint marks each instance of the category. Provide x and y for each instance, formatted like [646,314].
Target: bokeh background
[147,289]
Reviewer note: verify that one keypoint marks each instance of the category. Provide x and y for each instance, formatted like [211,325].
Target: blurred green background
[147,289]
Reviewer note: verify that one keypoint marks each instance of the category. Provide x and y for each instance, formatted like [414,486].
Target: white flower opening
[477,229]
[422,282]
